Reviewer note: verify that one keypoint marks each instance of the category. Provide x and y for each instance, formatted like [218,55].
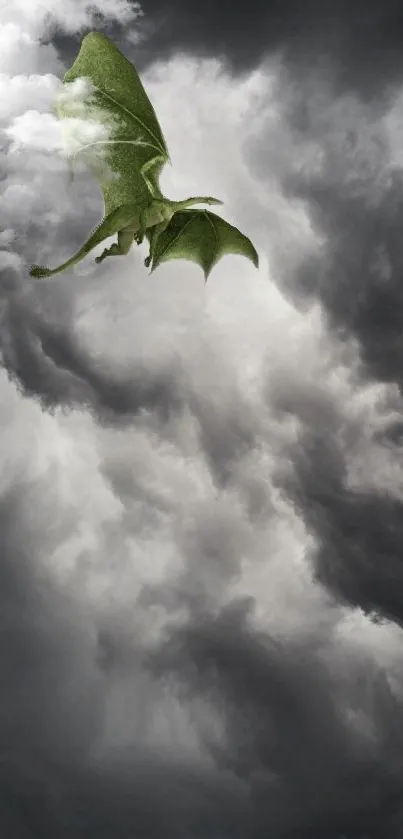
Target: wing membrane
[201,237]
[136,142]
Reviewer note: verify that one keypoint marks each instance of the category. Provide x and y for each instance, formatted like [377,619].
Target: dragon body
[135,153]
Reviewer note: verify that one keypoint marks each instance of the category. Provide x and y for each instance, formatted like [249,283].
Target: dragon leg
[139,236]
[119,248]
[153,236]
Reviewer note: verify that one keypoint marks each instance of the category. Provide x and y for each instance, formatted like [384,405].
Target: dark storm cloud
[360,532]
[359,279]
[305,771]
[283,759]
[352,191]
[50,701]
[51,708]
[359,44]
[45,359]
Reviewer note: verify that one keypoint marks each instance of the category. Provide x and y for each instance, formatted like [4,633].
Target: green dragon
[136,152]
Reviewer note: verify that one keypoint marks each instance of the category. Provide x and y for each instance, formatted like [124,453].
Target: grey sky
[201,487]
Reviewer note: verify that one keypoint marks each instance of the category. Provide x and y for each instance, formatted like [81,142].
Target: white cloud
[40,16]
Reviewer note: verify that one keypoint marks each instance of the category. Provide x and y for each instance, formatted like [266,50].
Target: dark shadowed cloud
[359,45]
[353,194]
[319,778]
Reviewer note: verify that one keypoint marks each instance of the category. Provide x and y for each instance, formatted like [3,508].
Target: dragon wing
[201,237]
[136,149]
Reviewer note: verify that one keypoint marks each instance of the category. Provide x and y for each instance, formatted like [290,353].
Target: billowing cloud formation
[348,177]
[359,45]
[200,489]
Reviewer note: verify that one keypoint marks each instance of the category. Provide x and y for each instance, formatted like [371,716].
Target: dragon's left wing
[136,149]
[201,237]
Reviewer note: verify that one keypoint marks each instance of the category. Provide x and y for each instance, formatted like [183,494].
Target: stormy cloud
[201,600]
[357,44]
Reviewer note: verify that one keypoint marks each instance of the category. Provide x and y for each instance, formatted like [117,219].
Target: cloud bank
[201,488]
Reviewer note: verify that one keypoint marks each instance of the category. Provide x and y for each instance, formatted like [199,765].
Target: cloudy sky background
[201,577]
